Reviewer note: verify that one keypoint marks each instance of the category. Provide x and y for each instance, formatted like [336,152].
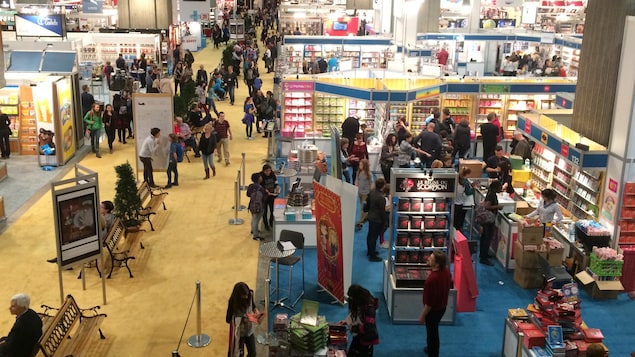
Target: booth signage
[494,88]
[40,26]
[428,92]
[418,184]
[297,86]
[564,151]
[92,6]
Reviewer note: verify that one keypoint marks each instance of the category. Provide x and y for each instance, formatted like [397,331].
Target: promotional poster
[328,213]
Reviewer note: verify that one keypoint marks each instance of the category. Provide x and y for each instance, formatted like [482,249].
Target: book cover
[554,335]
[309,312]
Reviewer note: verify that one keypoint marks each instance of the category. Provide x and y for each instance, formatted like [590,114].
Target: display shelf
[460,107]
[328,110]
[312,52]
[399,110]
[626,221]
[298,112]
[542,167]
[421,109]
[353,53]
[365,111]
[9,101]
[420,222]
[488,103]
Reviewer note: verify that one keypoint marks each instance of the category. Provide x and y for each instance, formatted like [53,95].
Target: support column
[599,65]
[151,14]
[428,16]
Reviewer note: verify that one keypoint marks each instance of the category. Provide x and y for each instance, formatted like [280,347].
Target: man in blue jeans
[377,218]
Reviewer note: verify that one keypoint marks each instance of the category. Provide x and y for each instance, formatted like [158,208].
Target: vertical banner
[43,100]
[153,111]
[328,213]
[66,117]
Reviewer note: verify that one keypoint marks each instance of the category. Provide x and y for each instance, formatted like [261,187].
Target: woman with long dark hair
[109,124]
[490,203]
[389,152]
[242,316]
[361,321]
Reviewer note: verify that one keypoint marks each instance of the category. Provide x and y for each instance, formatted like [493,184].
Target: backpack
[250,74]
[257,201]
[179,153]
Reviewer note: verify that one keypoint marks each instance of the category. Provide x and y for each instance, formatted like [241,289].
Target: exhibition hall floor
[193,241]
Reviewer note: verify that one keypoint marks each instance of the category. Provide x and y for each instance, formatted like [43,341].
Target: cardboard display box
[600,290]
[528,278]
[532,235]
[555,256]
[523,208]
[475,165]
[526,258]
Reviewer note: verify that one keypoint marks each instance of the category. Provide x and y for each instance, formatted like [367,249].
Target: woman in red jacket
[356,153]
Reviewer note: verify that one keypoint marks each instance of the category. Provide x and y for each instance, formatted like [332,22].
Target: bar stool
[297,239]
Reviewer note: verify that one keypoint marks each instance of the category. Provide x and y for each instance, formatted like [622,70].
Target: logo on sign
[544,137]
[613,185]
[564,150]
[425,185]
[527,126]
[547,88]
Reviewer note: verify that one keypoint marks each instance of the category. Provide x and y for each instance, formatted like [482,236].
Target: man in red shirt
[442,56]
[225,134]
[435,299]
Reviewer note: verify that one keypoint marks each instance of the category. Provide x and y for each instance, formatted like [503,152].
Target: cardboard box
[555,256]
[532,235]
[528,278]
[523,208]
[599,290]
[521,175]
[526,258]
[475,166]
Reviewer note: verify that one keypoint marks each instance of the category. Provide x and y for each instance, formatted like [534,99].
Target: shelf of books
[460,106]
[328,110]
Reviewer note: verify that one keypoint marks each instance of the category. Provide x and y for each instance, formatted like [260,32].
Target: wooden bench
[70,330]
[118,255]
[156,196]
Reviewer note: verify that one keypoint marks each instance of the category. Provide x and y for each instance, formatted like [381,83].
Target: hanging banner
[328,213]
[53,25]
[92,6]
[66,116]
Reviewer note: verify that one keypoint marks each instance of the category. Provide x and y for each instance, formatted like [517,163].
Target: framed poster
[77,221]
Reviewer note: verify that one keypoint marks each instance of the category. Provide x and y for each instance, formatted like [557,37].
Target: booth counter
[291,218]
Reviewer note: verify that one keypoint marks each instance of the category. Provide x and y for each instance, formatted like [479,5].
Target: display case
[364,110]
[237,29]
[627,218]
[328,110]
[489,103]
[542,167]
[297,109]
[561,181]
[420,223]
[397,111]
[586,187]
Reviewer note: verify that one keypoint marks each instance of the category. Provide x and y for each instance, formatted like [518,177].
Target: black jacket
[376,207]
[462,137]
[24,335]
[207,146]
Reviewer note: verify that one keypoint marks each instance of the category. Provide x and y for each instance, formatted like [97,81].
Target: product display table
[302,225]
[271,250]
[285,174]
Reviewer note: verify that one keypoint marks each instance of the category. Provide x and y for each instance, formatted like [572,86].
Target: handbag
[484,215]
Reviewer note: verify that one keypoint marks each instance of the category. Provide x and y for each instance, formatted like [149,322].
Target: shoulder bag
[484,215]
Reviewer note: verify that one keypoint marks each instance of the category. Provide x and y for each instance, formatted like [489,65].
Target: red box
[430,223]
[401,257]
[415,241]
[439,241]
[534,338]
[415,205]
[629,187]
[413,257]
[441,205]
[402,239]
[404,204]
[428,205]
[427,241]
[403,221]
[415,222]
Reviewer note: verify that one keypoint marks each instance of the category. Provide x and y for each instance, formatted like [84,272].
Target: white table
[271,250]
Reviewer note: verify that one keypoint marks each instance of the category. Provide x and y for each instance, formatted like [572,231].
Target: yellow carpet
[193,241]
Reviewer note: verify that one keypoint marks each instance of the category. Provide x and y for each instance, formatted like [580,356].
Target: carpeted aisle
[193,241]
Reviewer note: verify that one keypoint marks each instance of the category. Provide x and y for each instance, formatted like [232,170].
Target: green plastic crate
[606,267]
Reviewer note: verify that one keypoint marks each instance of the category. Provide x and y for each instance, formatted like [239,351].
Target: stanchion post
[242,169]
[240,206]
[236,221]
[200,339]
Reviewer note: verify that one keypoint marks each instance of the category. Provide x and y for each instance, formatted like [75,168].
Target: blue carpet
[477,333]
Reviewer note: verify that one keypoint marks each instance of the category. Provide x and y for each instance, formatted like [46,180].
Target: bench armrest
[91,311]
[49,308]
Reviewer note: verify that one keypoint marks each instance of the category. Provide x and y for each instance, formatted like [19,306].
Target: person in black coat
[461,142]
[26,331]
[350,128]
[489,132]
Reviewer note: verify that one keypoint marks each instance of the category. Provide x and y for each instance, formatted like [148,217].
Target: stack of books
[306,338]
[555,343]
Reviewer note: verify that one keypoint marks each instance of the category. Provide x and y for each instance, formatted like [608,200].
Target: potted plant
[127,202]
[184,100]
